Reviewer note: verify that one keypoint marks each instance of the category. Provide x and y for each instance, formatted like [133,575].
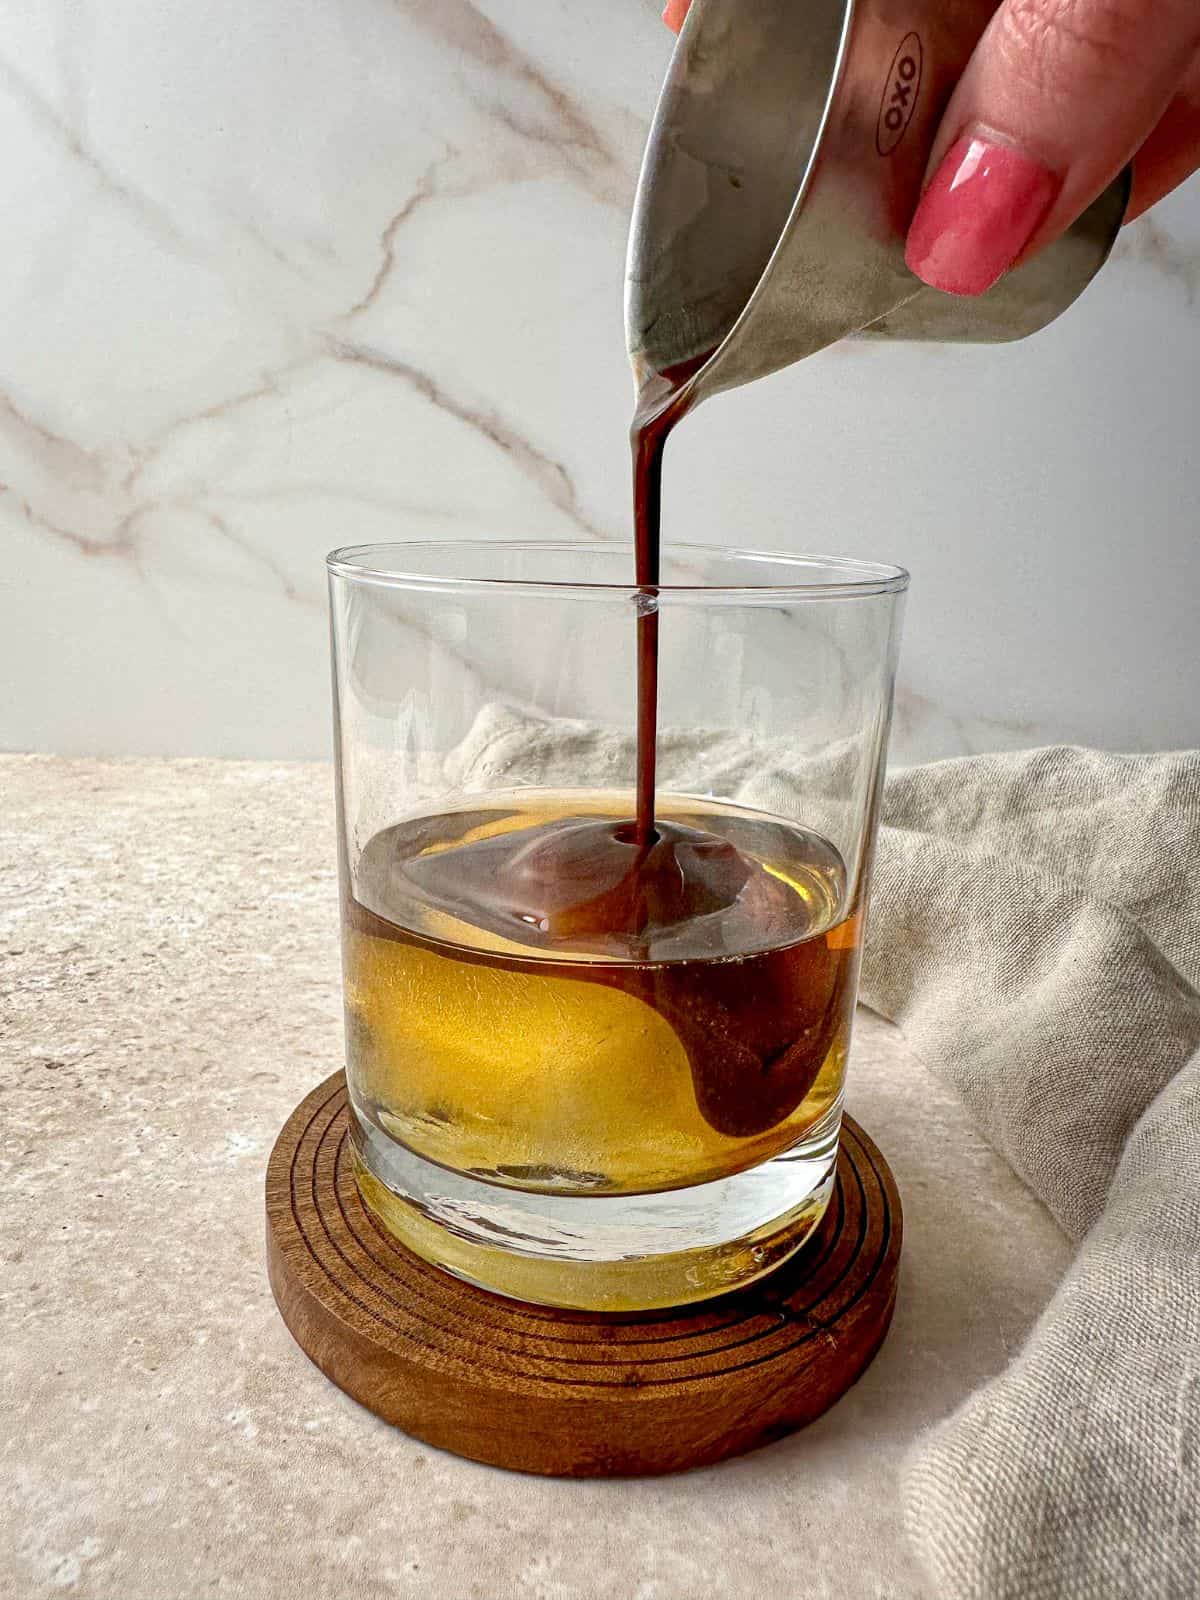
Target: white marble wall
[277,277]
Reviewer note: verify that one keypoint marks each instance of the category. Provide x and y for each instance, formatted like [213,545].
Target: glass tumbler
[580,1074]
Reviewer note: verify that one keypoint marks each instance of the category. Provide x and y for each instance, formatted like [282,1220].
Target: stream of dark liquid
[588,877]
[661,404]
[583,877]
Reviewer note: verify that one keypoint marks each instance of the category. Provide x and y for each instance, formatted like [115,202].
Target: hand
[1057,98]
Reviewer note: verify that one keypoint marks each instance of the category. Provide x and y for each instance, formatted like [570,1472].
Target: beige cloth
[1035,931]
[1036,934]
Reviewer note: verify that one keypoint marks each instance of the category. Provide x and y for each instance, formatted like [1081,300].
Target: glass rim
[379,565]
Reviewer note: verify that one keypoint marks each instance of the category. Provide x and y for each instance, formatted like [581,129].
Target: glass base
[614,1253]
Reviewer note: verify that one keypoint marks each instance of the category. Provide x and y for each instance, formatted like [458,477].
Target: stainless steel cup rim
[702,380]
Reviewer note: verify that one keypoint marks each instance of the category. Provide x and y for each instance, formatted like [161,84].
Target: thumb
[1055,101]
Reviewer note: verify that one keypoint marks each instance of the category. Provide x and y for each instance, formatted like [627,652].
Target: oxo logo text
[900,93]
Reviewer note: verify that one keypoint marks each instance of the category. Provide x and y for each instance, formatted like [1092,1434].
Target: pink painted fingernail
[676,13]
[977,215]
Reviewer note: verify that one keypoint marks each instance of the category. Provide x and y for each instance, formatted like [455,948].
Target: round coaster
[570,1393]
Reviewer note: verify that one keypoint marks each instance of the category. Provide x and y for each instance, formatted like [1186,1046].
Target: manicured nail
[675,14]
[977,215]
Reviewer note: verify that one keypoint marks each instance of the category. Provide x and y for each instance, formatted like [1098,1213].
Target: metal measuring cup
[784,165]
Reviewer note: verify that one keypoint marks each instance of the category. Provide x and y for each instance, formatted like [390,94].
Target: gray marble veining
[279,280]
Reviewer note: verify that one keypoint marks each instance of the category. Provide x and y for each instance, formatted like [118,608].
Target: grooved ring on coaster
[571,1393]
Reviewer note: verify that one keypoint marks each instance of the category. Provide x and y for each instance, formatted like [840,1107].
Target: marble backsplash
[282,277]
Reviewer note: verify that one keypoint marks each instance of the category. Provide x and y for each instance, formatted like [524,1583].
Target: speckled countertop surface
[168,944]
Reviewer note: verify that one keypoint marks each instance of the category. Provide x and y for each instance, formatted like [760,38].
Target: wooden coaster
[570,1393]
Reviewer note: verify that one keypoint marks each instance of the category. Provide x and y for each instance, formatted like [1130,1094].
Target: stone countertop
[168,934]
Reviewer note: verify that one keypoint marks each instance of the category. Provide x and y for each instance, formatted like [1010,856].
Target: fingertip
[675,14]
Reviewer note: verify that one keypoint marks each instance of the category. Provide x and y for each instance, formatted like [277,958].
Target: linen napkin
[1037,936]
[1035,932]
